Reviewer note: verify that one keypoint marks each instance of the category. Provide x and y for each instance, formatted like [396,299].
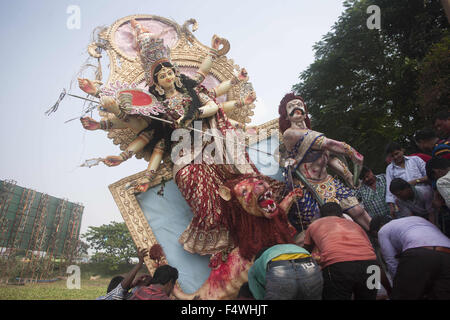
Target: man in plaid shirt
[372,193]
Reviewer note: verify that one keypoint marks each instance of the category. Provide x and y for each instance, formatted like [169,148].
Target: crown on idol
[152,51]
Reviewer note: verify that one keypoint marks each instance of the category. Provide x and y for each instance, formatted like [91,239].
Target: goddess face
[166,78]
[296,110]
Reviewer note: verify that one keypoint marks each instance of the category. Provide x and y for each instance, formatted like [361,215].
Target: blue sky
[40,56]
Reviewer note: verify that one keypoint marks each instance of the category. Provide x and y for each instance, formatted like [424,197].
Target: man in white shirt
[411,169]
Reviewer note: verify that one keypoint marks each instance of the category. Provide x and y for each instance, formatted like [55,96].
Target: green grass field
[90,289]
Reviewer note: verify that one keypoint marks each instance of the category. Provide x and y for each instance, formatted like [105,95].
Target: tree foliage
[112,244]
[434,79]
[363,86]
[81,249]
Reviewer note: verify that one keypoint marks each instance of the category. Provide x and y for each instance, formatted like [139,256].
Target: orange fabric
[339,240]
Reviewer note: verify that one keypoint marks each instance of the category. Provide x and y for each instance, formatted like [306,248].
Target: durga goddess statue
[183,100]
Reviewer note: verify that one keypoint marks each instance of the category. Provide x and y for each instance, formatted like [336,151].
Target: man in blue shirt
[285,272]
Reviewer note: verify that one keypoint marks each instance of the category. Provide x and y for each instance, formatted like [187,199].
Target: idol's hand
[113,161]
[296,194]
[109,104]
[243,75]
[349,180]
[358,158]
[250,98]
[89,123]
[87,86]
[290,162]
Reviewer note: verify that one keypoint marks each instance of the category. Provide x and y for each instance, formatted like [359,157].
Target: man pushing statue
[309,154]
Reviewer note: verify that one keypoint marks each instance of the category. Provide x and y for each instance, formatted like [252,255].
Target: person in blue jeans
[285,272]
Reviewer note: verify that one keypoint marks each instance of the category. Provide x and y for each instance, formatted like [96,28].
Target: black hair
[424,134]
[188,85]
[436,163]
[398,184]
[365,170]
[244,292]
[378,221]
[331,209]
[164,274]
[393,146]
[442,115]
[114,283]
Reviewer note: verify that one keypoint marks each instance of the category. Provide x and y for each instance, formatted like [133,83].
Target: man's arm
[388,251]
[421,166]
[443,187]
[390,199]
[128,280]
[385,281]
[308,243]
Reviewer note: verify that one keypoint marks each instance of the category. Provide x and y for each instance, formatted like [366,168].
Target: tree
[434,79]
[112,244]
[362,87]
[81,249]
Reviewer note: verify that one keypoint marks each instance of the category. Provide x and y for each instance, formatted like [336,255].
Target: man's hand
[392,209]
[142,253]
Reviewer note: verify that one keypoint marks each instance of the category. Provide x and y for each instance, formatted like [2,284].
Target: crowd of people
[406,249]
